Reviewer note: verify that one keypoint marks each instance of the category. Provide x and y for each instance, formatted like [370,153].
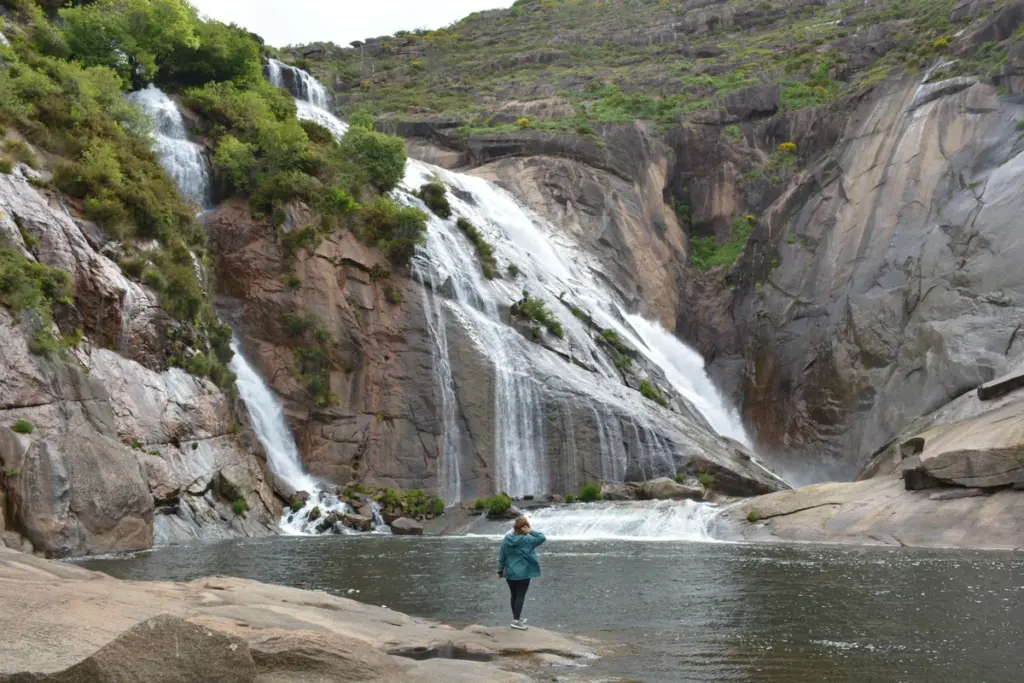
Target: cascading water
[323,511]
[659,521]
[549,264]
[181,158]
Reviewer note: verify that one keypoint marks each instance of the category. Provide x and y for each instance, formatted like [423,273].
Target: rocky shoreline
[63,624]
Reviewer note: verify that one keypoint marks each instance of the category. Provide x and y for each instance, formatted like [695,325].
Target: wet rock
[406,527]
[361,523]
[915,478]
[664,488]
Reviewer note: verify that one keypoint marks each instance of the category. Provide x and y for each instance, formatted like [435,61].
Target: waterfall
[269,424]
[635,521]
[323,511]
[181,158]
[635,435]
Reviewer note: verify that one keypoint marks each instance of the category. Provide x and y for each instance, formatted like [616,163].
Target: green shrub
[26,285]
[533,308]
[733,132]
[239,506]
[707,252]
[22,427]
[753,515]
[706,480]
[396,230]
[6,166]
[570,498]
[484,249]
[314,514]
[436,506]
[435,195]
[298,324]
[590,493]
[497,505]
[1020,124]
[382,156]
[653,393]
[480,504]
[613,340]
[513,270]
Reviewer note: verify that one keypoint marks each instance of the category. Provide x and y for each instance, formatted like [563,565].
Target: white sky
[295,22]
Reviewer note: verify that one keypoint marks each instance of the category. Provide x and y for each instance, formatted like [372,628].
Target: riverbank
[61,621]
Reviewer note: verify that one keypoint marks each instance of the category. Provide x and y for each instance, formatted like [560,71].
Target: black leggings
[518,590]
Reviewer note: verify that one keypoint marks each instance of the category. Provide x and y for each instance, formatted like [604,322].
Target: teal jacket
[518,555]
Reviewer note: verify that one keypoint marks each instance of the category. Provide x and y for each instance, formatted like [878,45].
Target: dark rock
[915,478]
[406,527]
[708,52]
[755,102]
[389,515]
[1001,387]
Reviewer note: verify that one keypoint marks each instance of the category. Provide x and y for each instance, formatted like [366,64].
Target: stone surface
[404,526]
[55,617]
[161,649]
[618,492]
[664,488]
[879,511]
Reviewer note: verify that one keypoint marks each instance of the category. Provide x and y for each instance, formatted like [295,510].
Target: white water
[180,157]
[664,520]
[303,86]
[283,456]
[551,265]
[269,424]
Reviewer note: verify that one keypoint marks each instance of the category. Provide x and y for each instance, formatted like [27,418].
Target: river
[663,612]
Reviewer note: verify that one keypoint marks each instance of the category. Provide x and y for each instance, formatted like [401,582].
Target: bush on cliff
[435,195]
[382,156]
[533,308]
[484,249]
[652,392]
[396,230]
[22,427]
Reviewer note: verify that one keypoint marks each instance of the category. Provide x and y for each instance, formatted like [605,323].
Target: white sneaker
[519,624]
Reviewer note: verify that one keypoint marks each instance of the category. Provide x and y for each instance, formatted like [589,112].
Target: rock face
[879,512]
[404,526]
[67,625]
[896,288]
[122,453]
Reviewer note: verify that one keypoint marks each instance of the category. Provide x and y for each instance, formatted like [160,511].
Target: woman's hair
[521,523]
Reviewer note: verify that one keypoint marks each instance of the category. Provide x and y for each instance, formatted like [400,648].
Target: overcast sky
[294,22]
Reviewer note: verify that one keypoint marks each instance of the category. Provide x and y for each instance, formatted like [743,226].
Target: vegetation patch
[652,392]
[22,427]
[435,195]
[239,507]
[753,514]
[493,506]
[590,493]
[708,252]
[29,286]
[484,249]
[396,230]
[534,309]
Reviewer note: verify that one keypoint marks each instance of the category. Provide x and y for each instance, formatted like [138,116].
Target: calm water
[671,612]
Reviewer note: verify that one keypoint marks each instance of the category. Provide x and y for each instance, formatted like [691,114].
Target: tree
[223,53]
[130,36]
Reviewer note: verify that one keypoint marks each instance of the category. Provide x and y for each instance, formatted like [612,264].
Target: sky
[296,22]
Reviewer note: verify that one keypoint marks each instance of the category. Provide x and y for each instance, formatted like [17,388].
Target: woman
[517,564]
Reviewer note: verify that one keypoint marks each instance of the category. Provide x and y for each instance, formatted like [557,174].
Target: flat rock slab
[879,512]
[55,617]
[956,494]
[1002,386]
[985,451]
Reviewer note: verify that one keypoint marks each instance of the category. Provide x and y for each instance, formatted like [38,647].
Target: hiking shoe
[518,624]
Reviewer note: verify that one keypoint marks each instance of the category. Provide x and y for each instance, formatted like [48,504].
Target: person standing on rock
[517,564]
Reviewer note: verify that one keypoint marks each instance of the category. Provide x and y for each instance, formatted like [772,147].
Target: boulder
[406,527]
[618,492]
[390,515]
[915,478]
[161,649]
[664,488]
[755,102]
[361,523]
